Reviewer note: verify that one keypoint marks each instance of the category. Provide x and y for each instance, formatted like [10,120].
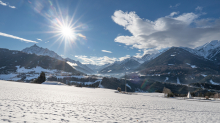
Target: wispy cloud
[82,36]
[47,41]
[175,6]
[187,30]
[106,51]
[39,39]
[5,4]
[15,37]
[198,8]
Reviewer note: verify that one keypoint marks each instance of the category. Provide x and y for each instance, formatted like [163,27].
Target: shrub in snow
[40,79]
[119,89]
[206,97]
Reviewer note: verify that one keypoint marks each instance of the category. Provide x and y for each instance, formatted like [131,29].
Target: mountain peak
[41,51]
[35,45]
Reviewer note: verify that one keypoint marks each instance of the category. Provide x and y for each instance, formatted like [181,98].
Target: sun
[67,32]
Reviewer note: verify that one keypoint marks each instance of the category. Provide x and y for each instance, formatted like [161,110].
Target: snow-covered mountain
[41,51]
[208,50]
[79,66]
[46,52]
[128,64]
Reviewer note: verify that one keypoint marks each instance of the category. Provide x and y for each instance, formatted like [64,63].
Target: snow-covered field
[24,102]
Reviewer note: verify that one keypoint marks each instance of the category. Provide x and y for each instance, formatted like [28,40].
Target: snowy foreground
[23,102]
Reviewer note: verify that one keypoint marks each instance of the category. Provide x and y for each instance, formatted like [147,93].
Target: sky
[104,31]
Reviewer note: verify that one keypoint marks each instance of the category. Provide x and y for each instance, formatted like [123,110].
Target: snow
[52,83]
[178,81]
[41,51]
[172,55]
[167,78]
[2,67]
[214,83]
[170,64]
[71,64]
[23,102]
[192,66]
[128,85]
[203,75]
[10,76]
[37,69]
[86,83]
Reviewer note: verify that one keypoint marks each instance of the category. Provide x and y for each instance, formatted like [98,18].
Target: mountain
[46,52]
[178,65]
[79,66]
[15,65]
[128,64]
[97,68]
[209,50]
[41,51]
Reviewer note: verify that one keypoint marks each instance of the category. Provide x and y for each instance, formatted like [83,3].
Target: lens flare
[143,85]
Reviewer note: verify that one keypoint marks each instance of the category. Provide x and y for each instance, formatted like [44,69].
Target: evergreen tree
[40,79]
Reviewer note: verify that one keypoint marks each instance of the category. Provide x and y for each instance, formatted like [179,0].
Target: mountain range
[175,64]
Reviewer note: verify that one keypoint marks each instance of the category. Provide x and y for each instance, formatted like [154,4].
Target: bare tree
[166,91]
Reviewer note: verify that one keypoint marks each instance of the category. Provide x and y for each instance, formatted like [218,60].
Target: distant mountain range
[209,52]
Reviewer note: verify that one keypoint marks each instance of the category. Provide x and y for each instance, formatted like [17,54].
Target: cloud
[187,29]
[99,60]
[123,58]
[82,36]
[2,3]
[198,8]
[39,39]
[15,37]
[13,7]
[96,60]
[5,4]
[106,51]
[175,6]
[47,42]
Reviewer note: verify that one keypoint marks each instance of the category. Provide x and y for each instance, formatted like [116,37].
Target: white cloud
[96,60]
[175,6]
[138,55]
[199,8]
[173,13]
[47,41]
[39,39]
[185,29]
[13,7]
[2,3]
[5,4]
[123,58]
[106,51]
[99,60]
[15,37]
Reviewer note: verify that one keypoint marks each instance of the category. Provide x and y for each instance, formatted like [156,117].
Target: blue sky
[108,30]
